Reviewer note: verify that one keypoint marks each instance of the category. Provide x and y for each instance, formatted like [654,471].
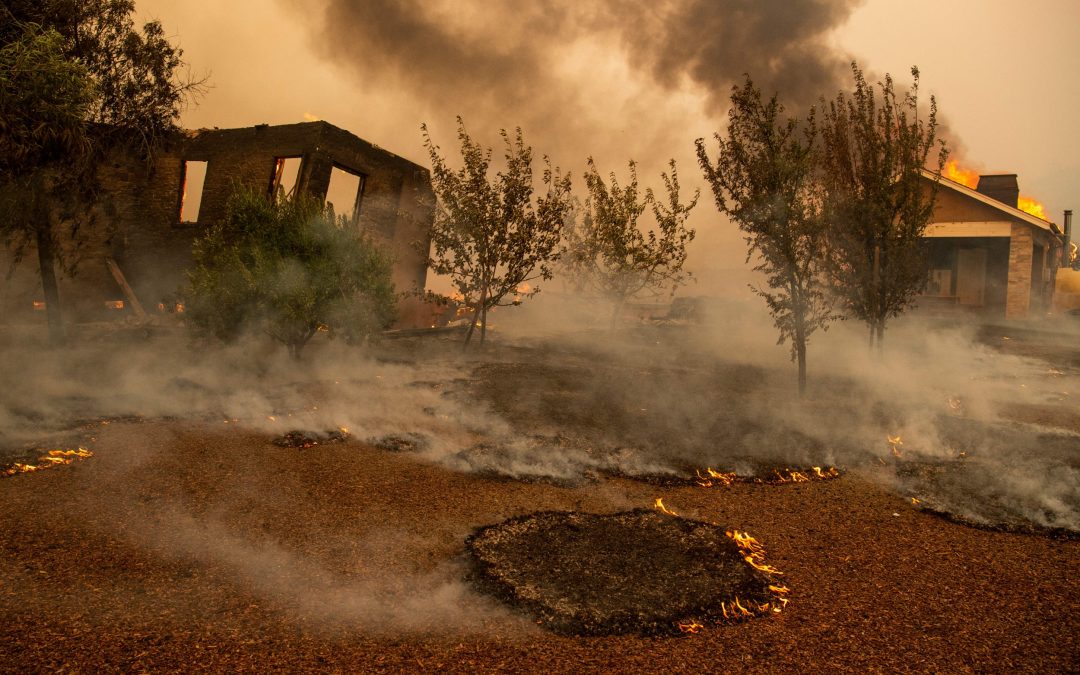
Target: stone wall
[137,217]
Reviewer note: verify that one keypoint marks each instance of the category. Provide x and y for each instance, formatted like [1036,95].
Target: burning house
[989,254]
[134,254]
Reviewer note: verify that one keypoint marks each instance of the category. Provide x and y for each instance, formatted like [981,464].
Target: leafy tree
[133,98]
[288,267]
[765,180]
[875,147]
[490,235]
[44,100]
[609,252]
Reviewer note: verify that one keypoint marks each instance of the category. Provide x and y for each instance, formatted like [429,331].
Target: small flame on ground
[690,627]
[711,477]
[753,552]
[735,609]
[659,505]
[48,460]
[894,446]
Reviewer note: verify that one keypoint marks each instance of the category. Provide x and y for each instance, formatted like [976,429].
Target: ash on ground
[632,572]
[407,442]
[986,480]
[309,439]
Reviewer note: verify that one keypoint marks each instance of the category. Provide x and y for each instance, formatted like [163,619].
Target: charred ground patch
[631,572]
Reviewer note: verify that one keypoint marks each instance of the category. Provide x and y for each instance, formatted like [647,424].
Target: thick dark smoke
[509,63]
[782,44]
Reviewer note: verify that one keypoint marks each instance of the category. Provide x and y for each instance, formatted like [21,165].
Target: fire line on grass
[51,459]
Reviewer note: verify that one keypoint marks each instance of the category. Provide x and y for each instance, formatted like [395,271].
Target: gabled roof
[1011,211]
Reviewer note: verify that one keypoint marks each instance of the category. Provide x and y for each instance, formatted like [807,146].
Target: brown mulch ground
[190,547]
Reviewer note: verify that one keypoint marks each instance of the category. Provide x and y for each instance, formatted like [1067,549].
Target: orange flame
[1032,206]
[710,476]
[894,446]
[659,505]
[753,552]
[953,171]
[970,178]
[734,609]
[48,460]
[691,627]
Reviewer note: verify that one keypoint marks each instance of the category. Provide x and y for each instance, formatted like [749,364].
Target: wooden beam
[128,293]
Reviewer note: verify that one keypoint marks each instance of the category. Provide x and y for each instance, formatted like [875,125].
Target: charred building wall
[148,215]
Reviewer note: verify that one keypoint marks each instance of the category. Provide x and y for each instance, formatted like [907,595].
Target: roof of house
[1011,211]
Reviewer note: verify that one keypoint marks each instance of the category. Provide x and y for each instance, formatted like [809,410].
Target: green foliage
[288,267]
[490,236]
[609,252]
[78,79]
[875,147]
[140,91]
[765,180]
[44,101]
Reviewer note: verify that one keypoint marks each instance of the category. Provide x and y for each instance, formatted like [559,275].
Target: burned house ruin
[147,217]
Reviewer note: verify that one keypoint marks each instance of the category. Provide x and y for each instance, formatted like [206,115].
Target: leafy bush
[288,267]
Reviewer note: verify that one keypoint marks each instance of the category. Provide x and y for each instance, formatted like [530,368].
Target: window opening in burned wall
[345,192]
[191,190]
[286,175]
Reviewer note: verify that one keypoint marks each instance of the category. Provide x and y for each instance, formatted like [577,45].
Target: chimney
[1002,187]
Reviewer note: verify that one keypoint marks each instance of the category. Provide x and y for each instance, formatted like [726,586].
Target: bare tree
[764,178]
[491,236]
[608,251]
[874,149]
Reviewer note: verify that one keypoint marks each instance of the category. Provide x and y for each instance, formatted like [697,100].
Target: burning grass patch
[47,459]
[308,439]
[637,571]
[757,475]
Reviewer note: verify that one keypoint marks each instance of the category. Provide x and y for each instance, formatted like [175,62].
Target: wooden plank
[136,306]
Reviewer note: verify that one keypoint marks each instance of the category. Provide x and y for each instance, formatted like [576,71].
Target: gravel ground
[184,546]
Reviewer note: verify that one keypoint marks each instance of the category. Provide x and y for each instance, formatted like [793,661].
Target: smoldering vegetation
[970,422]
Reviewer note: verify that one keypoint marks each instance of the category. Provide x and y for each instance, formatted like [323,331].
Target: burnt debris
[308,439]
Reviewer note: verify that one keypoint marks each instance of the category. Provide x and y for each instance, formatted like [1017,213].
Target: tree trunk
[47,266]
[875,295]
[800,349]
[483,325]
[617,310]
[476,317]
[880,330]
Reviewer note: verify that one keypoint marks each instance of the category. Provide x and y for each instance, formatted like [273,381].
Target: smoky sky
[504,61]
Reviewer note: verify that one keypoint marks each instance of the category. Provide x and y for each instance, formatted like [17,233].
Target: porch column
[1018,296]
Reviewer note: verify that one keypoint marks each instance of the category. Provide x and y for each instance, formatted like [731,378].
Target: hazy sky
[637,78]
